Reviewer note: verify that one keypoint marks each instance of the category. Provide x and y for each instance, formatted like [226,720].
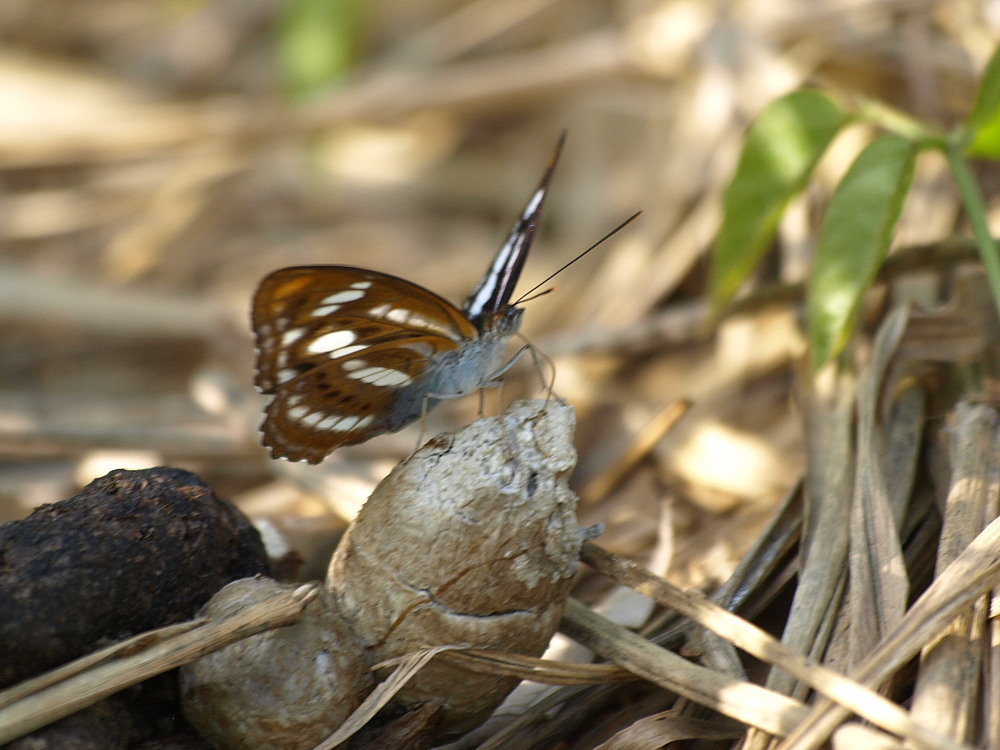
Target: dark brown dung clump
[134,550]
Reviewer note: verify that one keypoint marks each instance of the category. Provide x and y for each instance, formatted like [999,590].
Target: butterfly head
[505,322]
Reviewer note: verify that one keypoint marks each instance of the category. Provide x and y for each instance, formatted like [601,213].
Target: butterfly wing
[492,295]
[336,346]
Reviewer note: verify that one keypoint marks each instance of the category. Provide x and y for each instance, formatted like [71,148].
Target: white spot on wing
[330,423]
[348,295]
[334,423]
[382,376]
[347,350]
[354,364]
[284,375]
[405,317]
[313,419]
[342,424]
[325,310]
[330,341]
[361,285]
[291,336]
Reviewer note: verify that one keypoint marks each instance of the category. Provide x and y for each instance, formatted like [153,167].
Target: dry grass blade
[608,479]
[408,667]
[761,567]
[975,571]
[473,84]
[504,738]
[85,688]
[125,129]
[743,701]
[903,442]
[119,650]
[31,299]
[829,412]
[470,25]
[877,571]
[948,684]
[502,664]
[992,690]
[866,703]
[855,735]
[669,726]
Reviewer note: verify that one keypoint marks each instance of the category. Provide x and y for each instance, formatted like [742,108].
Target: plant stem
[894,121]
[975,208]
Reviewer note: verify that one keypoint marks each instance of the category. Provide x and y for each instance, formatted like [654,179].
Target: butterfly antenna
[536,296]
[597,244]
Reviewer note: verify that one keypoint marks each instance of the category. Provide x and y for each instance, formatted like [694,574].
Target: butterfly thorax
[458,372]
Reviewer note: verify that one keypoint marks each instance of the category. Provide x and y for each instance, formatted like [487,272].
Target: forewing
[307,316]
[335,345]
[492,295]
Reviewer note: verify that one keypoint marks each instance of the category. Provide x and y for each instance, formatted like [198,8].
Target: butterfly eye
[509,322]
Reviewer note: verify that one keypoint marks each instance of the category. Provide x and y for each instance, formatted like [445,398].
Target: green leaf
[986,141]
[983,125]
[988,101]
[317,42]
[854,239]
[781,148]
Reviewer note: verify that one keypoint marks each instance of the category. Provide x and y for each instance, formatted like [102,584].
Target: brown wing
[335,347]
[323,409]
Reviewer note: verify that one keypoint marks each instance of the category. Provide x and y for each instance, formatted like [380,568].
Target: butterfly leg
[423,422]
[540,360]
[493,380]
[482,401]
[490,381]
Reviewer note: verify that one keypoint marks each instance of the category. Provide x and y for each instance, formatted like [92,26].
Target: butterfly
[347,353]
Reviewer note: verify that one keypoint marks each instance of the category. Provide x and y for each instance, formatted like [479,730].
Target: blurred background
[157,159]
